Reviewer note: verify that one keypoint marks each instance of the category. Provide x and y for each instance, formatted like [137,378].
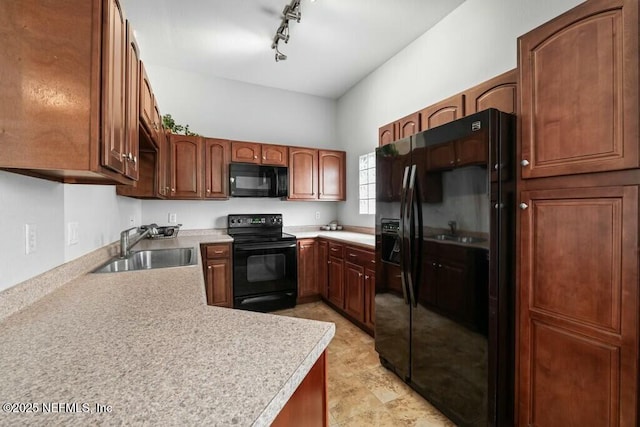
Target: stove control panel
[254,221]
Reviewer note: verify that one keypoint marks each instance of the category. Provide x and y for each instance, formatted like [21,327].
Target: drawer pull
[353,255]
[218,252]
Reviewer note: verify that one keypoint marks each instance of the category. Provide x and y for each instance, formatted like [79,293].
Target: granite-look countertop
[146,343]
[366,240]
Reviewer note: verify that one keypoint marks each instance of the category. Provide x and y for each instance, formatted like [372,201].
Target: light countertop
[146,343]
[366,240]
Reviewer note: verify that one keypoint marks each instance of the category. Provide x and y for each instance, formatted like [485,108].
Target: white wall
[232,110]
[473,43]
[50,206]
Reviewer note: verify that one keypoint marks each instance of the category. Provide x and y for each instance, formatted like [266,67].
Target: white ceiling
[335,45]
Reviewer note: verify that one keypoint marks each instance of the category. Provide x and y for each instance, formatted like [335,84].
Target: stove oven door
[265,275]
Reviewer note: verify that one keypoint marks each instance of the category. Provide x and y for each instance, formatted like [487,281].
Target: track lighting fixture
[291,12]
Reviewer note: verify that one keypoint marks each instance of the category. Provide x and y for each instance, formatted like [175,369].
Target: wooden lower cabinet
[216,261]
[307,275]
[308,405]
[349,274]
[354,291]
[323,268]
[578,299]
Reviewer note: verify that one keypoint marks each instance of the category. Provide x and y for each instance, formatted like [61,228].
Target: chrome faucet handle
[453,225]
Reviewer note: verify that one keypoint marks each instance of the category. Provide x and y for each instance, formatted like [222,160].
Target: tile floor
[361,391]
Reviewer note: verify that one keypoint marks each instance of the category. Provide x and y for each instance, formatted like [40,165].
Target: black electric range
[265,270]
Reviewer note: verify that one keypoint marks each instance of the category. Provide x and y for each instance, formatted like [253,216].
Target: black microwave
[249,180]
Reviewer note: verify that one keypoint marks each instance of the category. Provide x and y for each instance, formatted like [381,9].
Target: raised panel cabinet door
[246,152]
[579,94]
[387,134]
[147,117]
[307,263]
[186,167]
[578,307]
[275,155]
[499,92]
[218,280]
[323,268]
[132,118]
[114,154]
[216,167]
[336,281]
[303,173]
[354,290]
[443,112]
[409,125]
[331,175]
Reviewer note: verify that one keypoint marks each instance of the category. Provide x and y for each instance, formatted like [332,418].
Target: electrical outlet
[317,214]
[132,221]
[173,218]
[31,238]
[72,233]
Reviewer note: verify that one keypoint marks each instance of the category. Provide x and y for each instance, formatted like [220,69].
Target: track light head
[280,56]
[290,12]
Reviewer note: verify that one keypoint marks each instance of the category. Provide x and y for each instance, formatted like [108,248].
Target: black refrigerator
[444,258]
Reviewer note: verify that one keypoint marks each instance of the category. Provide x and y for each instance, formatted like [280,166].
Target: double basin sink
[150,259]
[456,238]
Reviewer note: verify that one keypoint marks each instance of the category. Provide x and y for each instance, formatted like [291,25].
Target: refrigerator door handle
[403,261]
[409,215]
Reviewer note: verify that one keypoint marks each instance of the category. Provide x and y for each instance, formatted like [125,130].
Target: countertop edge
[278,402]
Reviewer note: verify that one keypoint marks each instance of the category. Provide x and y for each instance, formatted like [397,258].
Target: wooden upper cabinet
[443,112]
[275,155]
[441,156]
[246,152]
[331,175]
[216,161]
[260,154]
[69,122]
[500,93]
[114,104]
[147,117]
[578,299]
[579,91]
[303,173]
[387,134]
[409,125]
[132,90]
[186,166]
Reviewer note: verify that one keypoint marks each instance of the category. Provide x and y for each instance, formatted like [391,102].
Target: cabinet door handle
[451,162]
[208,190]
[458,159]
[173,190]
[209,267]
[264,157]
[366,277]
[524,162]
[255,157]
[359,274]
[434,264]
[523,206]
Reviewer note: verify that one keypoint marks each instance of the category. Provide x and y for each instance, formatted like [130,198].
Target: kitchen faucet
[452,226]
[126,245]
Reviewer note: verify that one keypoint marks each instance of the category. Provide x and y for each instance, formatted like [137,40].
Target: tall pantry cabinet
[577,299]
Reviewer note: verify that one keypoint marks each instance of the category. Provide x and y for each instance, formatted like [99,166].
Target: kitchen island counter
[146,345]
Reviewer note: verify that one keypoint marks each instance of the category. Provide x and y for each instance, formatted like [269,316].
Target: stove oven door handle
[271,245]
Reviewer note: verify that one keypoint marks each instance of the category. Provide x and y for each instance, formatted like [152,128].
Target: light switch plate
[30,234]
[72,233]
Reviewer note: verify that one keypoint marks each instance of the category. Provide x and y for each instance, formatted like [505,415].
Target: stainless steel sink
[456,238]
[148,259]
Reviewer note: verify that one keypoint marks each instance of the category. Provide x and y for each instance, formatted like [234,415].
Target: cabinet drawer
[360,257]
[336,250]
[218,251]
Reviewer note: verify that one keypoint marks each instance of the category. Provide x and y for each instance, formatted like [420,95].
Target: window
[367,181]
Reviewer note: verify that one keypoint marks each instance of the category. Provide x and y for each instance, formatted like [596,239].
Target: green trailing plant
[170,123]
